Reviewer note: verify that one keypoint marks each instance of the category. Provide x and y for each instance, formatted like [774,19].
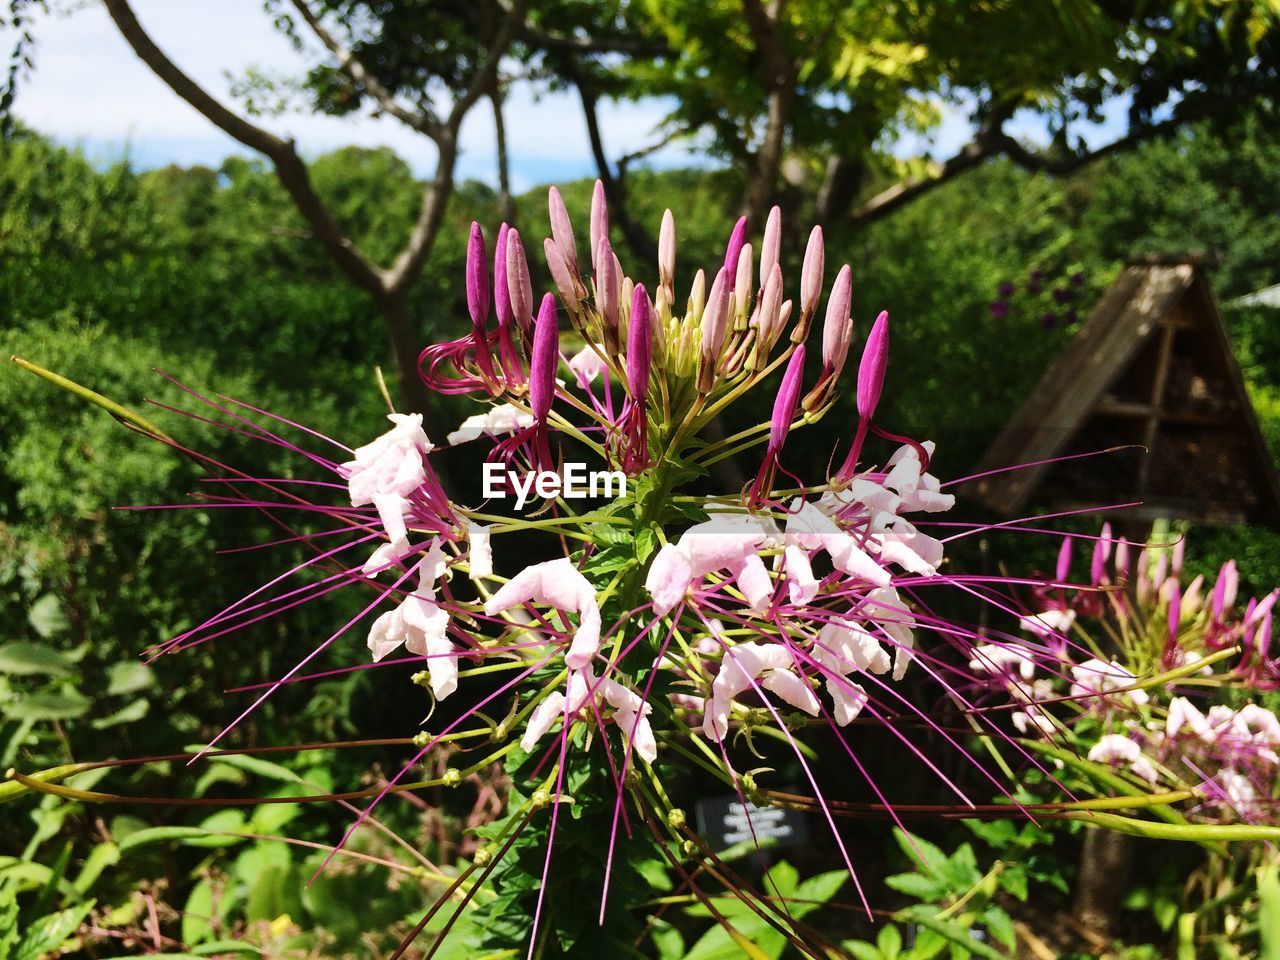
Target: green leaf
[129,676]
[9,920]
[103,855]
[197,915]
[1013,879]
[49,933]
[917,885]
[922,852]
[47,616]
[1000,926]
[889,942]
[47,704]
[667,940]
[861,950]
[1269,912]
[131,712]
[24,659]
[819,889]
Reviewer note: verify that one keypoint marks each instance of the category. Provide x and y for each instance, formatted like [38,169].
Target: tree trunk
[405,347]
[506,204]
[1106,862]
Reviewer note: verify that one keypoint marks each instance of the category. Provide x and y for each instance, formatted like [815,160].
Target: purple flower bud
[599,221]
[1006,289]
[736,239]
[1224,590]
[562,228]
[639,343]
[875,359]
[1064,561]
[545,359]
[607,292]
[1179,551]
[477,279]
[1101,553]
[1048,320]
[501,295]
[784,404]
[769,311]
[1062,295]
[999,309]
[1262,639]
[1175,612]
[1077,279]
[771,245]
[715,319]
[519,285]
[837,332]
[1122,559]
[811,273]
[560,274]
[667,249]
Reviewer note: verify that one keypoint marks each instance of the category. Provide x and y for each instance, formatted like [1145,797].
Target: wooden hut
[1151,370]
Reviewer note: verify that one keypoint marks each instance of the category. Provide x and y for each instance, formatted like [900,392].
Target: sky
[88,89]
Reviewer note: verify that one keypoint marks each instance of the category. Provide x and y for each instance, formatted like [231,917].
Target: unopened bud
[667,254]
[562,229]
[599,222]
[810,283]
[837,331]
[607,293]
[871,371]
[560,274]
[518,283]
[742,287]
[544,360]
[639,344]
[771,245]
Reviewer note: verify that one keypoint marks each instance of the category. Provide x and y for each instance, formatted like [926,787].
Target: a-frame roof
[1151,369]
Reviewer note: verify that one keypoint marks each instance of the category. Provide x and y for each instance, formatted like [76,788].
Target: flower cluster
[1123,661]
[667,622]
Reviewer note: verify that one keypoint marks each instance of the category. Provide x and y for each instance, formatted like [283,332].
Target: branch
[416,119]
[993,141]
[487,75]
[431,214]
[780,80]
[900,194]
[638,242]
[555,43]
[290,170]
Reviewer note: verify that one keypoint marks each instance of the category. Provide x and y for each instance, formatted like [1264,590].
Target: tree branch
[780,80]
[555,43]
[638,242]
[993,141]
[431,214]
[487,75]
[290,170]
[416,119]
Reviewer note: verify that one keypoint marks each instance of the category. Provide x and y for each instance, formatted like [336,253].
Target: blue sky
[88,89]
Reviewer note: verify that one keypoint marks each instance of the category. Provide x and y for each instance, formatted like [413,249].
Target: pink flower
[1115,748]
[743,664]
[558,584]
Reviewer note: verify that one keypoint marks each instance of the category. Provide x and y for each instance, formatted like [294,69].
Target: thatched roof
[1152,367]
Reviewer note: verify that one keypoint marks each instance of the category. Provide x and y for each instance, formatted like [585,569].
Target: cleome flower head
[675,620]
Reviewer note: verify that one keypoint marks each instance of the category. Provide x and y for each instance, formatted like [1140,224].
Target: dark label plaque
[725,821]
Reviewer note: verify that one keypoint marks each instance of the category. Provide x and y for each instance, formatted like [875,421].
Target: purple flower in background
[1077,279]
[1007,289]
[1062,295]
[1048,320]
[999,309]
